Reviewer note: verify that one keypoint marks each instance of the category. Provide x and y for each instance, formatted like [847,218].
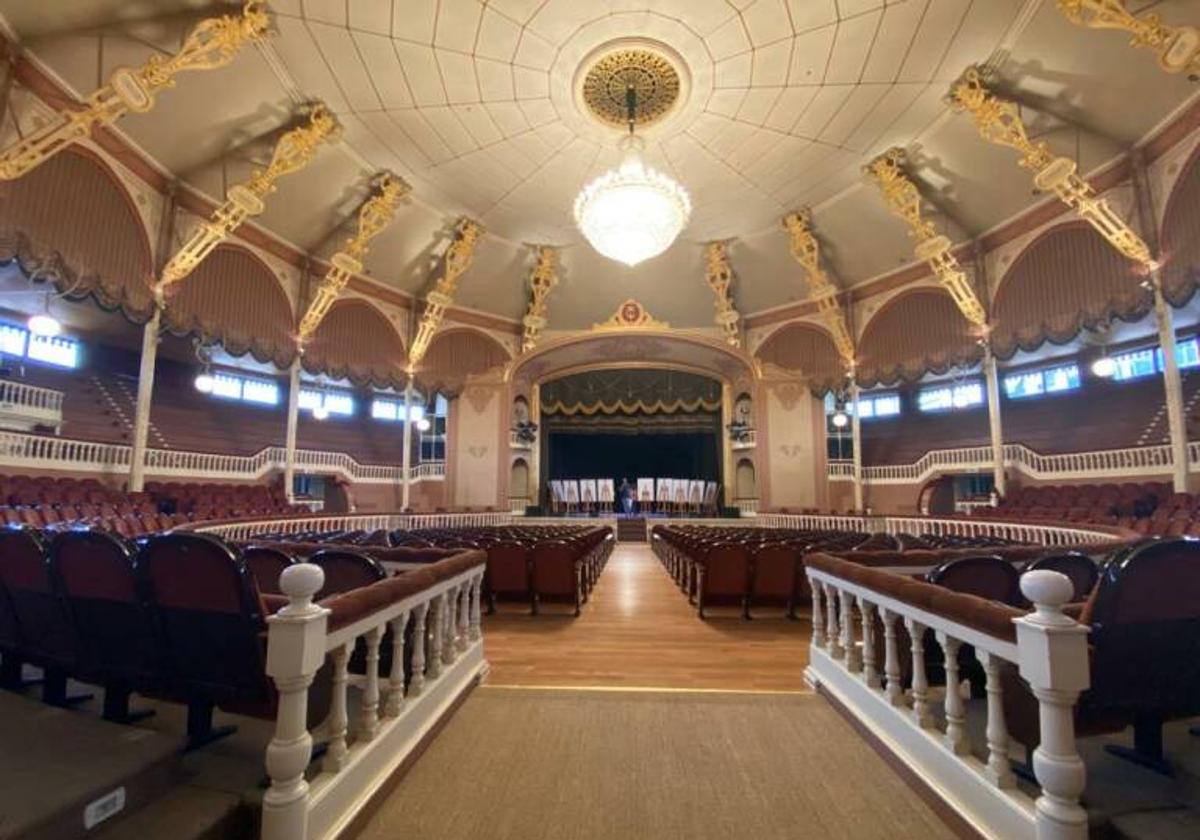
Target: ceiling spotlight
[320,412]
[1104,367]
[840,419]
[204,382]
[423,425]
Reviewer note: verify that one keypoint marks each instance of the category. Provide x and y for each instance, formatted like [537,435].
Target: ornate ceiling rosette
[649,73]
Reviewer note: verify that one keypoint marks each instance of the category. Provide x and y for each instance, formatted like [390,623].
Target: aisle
[593,765]
[638,631]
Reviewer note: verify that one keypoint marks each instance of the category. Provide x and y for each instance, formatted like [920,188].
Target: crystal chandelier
[632,213]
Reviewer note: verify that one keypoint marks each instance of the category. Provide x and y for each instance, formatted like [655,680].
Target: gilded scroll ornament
[719,276]
[807,252]
[212,43]
[1178,47]
[542,280]
[293,152]
[904,201]
[467,234]
[374,216]
[999,121]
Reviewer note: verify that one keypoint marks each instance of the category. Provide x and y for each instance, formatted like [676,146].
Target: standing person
[626,494]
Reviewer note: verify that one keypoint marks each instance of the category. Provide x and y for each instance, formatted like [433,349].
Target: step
[185,813]
[1172,824]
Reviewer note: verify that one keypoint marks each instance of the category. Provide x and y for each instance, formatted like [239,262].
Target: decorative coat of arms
[631,315]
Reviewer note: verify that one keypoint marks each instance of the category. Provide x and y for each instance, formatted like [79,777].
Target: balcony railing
[19,450]
[238,531]
[854,621]
[1040,534]
[745,440]
[27,407]
[1105,463]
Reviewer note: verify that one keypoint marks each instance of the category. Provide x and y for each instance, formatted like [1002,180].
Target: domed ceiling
[483,107]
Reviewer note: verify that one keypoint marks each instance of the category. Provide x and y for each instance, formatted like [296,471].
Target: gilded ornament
[904,201]
[1178,47]
[631,315]
[807,252]
[211,43]
[651,76]
[719,276]
[467,234]
[542,279]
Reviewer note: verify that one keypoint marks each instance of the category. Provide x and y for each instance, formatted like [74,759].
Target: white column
[293,416]
[992,379]
[406,468]
[145,391]
[730,488]
[856,442]
[1173,386]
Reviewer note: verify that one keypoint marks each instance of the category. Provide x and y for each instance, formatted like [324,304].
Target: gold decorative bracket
[542,281]
[807,252]
[933,248]
[374,216]
[719,276]
[467,234]
[212,43]
[1178,47]
[293,152]
[999,121]
[631,315]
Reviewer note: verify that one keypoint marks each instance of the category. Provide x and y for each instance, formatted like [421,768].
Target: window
[1033,383]
[1187,354]
[1135,364]
[433,439]
[58,351]
[258,391]
[390,410]
[335,402]
[12,340]
[950,397]
[885,406]
[869,406]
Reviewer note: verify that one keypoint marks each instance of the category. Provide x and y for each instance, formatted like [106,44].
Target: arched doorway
[518,484]
[745,486]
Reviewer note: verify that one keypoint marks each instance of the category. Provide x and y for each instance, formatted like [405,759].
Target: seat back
[727,570]
[553,565]
[266,564]
[1145,619]
[1081,569]
[346,569]
[775,570]
[45,633]
[508,567]
[96,575]
[986,576]
[208,610]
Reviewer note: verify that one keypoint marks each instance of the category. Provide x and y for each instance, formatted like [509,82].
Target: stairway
[631,530]
[124,404]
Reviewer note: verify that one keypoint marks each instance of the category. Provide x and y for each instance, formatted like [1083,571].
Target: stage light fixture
[1104,367]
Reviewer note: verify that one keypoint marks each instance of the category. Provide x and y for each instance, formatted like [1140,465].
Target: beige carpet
[578,765]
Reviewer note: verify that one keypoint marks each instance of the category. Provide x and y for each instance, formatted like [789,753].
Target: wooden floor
[638,631]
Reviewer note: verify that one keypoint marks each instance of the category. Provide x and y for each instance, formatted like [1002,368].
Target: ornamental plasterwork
[631,315]
[654,79]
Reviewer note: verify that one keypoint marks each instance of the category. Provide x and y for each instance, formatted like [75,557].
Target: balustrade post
[368,713]
[818,614]
[420,634]
[922,713]
[437,627]
[1053,659]
[295,651]
[870,669]
[833,629]
[474,633]
[450,626]
[337,722]
[891,658]
[854,662]
[464,608]
[395,694]
[956,715]
[999,769]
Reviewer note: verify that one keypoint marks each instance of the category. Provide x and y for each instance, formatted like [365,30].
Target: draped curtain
[356,341]
[70,221]
[1068,280]
[630,392]
[1181,237]
[917,332]
[456,354]
[809,350]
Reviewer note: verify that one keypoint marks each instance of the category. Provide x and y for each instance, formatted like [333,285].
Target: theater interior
[618,419]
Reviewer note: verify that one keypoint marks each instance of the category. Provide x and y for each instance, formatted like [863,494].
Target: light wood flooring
[638,631]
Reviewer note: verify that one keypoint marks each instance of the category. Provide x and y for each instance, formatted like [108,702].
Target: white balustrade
[1134,461]
[388,725]
[1036,533]
[239,531]
[1050,654]
[747,439]
[27,407]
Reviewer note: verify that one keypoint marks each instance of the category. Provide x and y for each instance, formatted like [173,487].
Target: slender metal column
[406,470]
[856,439]
[1173,386]
[145,391]
[992,379]
[293,416]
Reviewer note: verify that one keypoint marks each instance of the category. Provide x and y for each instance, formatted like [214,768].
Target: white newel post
[295,651]
[406,457]
[145,392]
[1053,658]
[293,417]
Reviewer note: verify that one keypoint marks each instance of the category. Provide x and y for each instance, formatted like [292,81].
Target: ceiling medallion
[651,75]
